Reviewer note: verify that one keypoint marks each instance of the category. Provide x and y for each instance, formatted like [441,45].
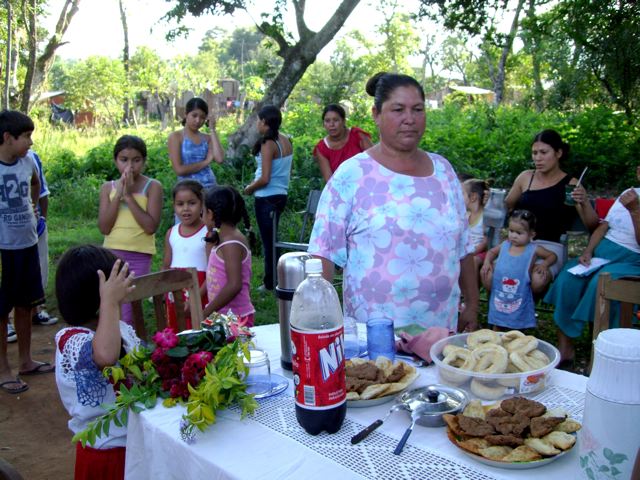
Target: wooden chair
[625,290]
[155,285]
[308,216]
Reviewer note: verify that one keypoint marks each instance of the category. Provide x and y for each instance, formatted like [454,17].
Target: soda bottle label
[318,368]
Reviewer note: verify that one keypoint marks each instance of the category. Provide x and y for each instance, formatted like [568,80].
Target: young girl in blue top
[274,156]
[511,302]
[191,152]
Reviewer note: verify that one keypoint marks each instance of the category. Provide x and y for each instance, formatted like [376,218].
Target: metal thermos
[290,275]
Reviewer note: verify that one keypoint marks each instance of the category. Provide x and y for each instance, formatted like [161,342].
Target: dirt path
[34,437]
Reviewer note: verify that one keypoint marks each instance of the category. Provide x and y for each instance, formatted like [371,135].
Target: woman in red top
[341,142]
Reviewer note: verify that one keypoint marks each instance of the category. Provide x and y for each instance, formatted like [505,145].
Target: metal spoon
[358,437]
[415,415]
[416,362]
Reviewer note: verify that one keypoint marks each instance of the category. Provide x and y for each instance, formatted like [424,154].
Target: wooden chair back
[625,290]
[156,285]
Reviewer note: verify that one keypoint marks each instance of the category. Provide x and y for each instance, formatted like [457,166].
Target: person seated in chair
[617,239]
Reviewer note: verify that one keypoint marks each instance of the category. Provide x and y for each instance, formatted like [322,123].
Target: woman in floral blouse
[394,218]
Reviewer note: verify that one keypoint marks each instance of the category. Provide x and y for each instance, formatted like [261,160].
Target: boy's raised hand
[118,285]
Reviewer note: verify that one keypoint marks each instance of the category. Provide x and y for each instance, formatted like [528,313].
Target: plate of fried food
[516,433]
[372,382]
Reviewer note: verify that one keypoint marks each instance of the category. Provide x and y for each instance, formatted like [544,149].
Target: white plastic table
[271,445]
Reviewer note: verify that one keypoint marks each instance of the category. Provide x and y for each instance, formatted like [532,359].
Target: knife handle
[403,440]
[357,438]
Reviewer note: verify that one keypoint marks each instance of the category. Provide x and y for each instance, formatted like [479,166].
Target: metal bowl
[435,401]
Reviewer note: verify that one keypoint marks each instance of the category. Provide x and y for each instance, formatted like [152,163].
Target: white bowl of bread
[491,365]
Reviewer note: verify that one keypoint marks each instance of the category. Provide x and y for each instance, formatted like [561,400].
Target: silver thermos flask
[290,275]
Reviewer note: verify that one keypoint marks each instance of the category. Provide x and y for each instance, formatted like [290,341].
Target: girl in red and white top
[184,245]
[341,142]
[90,285]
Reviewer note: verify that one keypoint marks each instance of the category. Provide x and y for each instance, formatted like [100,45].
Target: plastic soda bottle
[317,353]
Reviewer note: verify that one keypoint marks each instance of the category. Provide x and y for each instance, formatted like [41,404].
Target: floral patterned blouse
[399,238]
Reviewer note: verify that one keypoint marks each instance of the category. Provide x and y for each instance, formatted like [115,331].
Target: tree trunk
[534,46]
[506,49]
[7,64]
[125,60]
[45,61]
[32,41]
[297,59]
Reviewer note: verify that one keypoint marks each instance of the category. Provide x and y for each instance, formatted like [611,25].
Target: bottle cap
[313,265]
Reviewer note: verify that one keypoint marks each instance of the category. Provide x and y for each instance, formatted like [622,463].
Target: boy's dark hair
[272,117]
[15,123]
[77,282]
[526,217]
[191,185]
[130,141]
[227,206]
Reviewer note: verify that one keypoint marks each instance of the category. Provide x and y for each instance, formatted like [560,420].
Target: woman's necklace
[339,143]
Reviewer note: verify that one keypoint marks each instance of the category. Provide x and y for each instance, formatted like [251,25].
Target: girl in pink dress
[229,267]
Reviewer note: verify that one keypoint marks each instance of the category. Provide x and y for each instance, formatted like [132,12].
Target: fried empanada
[523,453]
[568,426]
[474,409]
[474,445]
[495,452]
[560,440]
[542,447]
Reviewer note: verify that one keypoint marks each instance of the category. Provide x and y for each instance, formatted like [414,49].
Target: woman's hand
[579,195]
[630,201]
[212,122]
[585,258]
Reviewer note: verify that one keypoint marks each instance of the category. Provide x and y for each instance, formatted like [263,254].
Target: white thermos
[610,436]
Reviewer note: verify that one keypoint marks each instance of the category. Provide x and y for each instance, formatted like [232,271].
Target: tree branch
[303,30]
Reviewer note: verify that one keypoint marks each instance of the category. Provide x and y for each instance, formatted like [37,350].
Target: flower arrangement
[201,370]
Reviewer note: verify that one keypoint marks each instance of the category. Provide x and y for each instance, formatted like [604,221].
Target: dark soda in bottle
[317,353]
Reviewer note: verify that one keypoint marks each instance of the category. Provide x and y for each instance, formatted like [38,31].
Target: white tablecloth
[271,445]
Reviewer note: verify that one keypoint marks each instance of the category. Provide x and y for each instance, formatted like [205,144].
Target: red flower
[166,339]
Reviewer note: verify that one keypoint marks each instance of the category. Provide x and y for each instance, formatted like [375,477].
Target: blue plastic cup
[380,338]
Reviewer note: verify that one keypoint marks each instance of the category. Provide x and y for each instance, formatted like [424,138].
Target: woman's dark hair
[227,206]
[272,117]
[553,139]
[334,107]
[77,282]
[477,186]
[191,185]
[196,103]
[383,84]
[130,141]
[524,216]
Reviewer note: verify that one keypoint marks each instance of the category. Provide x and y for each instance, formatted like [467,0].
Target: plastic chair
[308,216]
[625,290]
[155,285]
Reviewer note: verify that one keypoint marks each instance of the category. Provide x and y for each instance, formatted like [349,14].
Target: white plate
[380,400]
[371,402]
[513,465]
[278,385]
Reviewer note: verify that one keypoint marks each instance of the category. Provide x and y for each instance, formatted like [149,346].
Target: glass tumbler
[258,379]
[380,338]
